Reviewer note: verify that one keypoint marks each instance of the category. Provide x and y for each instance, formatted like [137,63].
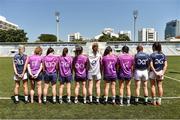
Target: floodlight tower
[135,14]
[57,14]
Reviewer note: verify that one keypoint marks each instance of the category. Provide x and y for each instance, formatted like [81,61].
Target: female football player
[141,70]
[65,74]
[158,68]
[109,65]
[80,65]
[35,72]
[50,67]
[125,69]
[20,73]
[94,72]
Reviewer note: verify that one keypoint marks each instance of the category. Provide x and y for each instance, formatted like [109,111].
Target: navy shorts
[40,77]
[67,79]
[50,77]
[80,79]
[124,78]
[110,78]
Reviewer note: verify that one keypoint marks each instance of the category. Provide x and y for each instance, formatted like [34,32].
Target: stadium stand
[10,49]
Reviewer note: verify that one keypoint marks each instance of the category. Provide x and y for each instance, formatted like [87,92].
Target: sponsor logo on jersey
[93,63]
[65,64]
[159,61]
[79,66]
[50,64]
[142,62]
[19,62]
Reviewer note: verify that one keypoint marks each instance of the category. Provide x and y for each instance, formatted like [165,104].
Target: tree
[104,37]
[123,37]
[77,40]
[47,38]
[12,35]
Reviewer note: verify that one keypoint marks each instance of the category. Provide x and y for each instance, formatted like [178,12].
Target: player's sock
[105,98]
[60,99]
[121,99]
[54,98]
[113,99]
[84,99]
[68,98]
[76,100]
[159,100]
[128,99]
[154,100]
[44,99]
[137,99]
[26,98]
[16,97]
[146,99]
[97,99]
[90,98]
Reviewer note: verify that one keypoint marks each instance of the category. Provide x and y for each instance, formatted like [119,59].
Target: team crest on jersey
[93,63]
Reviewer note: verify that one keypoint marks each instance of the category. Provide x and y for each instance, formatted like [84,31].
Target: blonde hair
[20,47]
[38,50]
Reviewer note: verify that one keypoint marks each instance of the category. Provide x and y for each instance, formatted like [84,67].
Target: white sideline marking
[5,98]
[170,97]
[172,78]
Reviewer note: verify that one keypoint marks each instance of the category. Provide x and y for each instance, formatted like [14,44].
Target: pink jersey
[35,63]
[125,61]
[80,63]
[65,65]
[50,61]
[109,66]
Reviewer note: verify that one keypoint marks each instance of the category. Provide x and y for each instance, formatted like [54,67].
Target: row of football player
[89,68]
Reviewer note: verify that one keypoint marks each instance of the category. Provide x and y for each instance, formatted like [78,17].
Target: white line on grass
[5,98]
[172,78]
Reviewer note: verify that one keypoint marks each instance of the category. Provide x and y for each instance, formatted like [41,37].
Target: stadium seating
[10,49]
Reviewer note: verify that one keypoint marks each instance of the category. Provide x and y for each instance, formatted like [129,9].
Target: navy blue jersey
[158,60]
[142,61]
[19,61]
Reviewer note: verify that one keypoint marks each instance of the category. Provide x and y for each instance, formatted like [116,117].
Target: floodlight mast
[135,14]
[57,14]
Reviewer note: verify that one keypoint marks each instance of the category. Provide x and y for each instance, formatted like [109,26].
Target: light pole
[135,14]
[57,25]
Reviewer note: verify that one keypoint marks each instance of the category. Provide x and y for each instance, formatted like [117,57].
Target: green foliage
[108,37]
[47,38]
[78,40]
[123,37]
[104,38]
[13,36]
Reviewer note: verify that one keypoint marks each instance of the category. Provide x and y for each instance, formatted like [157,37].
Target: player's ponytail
[125,49]
[65,51]
[78,50]
[50,50]
[107,51]
[157,47]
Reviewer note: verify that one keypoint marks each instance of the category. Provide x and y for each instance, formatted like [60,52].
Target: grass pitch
[169,110]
